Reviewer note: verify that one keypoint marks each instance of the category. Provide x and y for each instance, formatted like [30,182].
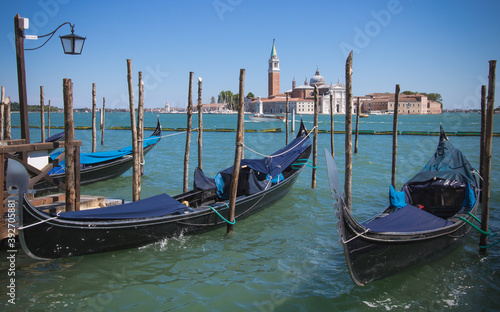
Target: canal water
[286,257]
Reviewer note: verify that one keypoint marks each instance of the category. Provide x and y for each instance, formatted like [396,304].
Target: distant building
[301,98]
[414,104]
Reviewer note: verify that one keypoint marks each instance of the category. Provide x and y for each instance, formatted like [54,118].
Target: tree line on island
[230,99]
[430,96]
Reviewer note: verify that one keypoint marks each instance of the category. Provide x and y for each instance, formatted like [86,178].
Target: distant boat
[260,116]
[364,115]
[100,165]
[266,117]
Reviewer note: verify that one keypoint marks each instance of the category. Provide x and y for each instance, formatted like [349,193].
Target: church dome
[317,80]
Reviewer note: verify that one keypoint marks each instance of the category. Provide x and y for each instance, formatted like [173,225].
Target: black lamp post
[72,44]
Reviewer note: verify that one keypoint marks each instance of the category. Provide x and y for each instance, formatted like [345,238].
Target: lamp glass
[72,44]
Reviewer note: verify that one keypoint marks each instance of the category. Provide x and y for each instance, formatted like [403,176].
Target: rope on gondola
[222,216]
[304,162]
[37,223]
[473,225]
[488,233]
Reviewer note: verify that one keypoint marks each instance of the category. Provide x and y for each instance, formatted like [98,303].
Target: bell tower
[273,73]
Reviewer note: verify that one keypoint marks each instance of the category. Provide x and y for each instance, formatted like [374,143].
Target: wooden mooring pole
[395,137]
[293,120]
[136,183]
[103,111]
[315,139]
[331,126]
[94,147]
[140,127]
[286,119]
[200,125]
[2,99]
[488,140]
[69,131]
[348,131]
[483,124]
[48,119]
[238,154]
[42,114]
[7,134]
[357,128]
[188,134]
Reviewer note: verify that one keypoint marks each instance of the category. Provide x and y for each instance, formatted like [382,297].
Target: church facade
[300,98]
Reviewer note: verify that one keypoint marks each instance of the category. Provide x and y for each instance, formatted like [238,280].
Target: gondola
[262,182]
[427,219]
[98,166]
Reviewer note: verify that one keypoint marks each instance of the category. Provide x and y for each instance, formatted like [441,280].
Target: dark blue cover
[156,206]
[407,219]
[256,173]
[447,163]
[274,164]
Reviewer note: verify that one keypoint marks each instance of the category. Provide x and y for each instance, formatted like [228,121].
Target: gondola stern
[302,130]
[157,131]
[442,134]
[18,178]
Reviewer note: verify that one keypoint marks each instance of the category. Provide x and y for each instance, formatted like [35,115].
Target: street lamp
[72,44]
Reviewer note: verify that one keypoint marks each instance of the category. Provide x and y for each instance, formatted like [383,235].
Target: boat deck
[56,203]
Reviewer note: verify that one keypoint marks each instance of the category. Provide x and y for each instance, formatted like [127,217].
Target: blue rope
[222,216]
[300,164]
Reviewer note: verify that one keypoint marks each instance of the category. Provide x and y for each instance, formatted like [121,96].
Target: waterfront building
[414,104]
[300,98]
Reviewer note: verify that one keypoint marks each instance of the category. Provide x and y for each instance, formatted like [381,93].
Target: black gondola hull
[372,256]
[62,238]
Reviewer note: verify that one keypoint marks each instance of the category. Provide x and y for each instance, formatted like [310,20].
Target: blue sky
[426,46]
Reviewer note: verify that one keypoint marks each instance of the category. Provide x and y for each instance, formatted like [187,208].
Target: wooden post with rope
[395,137]
[488,141]
[238,154]
[188,134]
[348,132]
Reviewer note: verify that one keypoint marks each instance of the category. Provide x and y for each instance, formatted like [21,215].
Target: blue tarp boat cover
[448,163]
[99,157]
[281,159]
[407,219]
[258,172]
[156,206]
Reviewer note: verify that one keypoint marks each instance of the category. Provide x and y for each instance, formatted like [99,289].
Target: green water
[286,257]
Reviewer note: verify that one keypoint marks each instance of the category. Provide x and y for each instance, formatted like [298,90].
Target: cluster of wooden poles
[72,197]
